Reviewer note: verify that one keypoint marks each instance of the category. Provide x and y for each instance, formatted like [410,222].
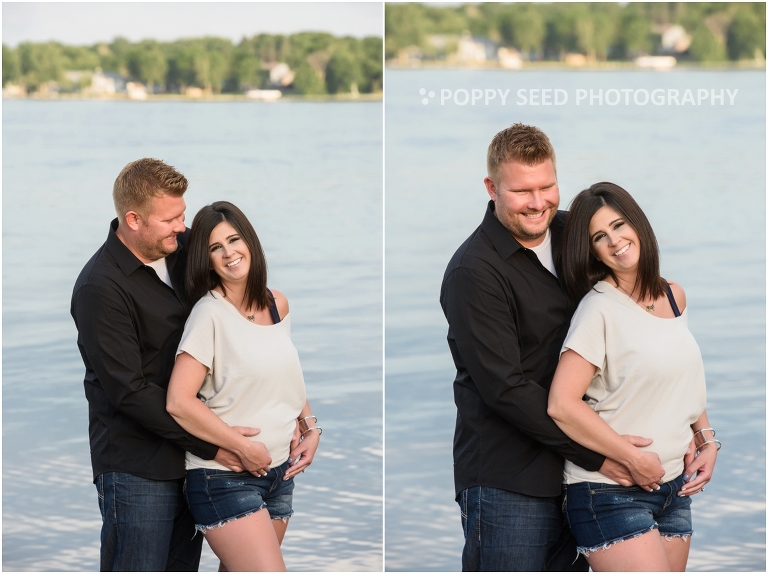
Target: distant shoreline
[207,98]
[589,67]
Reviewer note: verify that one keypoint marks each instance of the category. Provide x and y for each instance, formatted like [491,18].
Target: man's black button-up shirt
[129,325]
[508,317]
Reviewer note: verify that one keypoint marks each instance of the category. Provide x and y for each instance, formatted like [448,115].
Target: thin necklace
[650,308]
[251,318]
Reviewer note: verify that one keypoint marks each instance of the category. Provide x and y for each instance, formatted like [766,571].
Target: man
[129,308]
[508,318]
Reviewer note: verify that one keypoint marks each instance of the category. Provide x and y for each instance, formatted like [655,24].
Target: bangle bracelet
[702,432]
[717,442]
[304,424]
[318,429]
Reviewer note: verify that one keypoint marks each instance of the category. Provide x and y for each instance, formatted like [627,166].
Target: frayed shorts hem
[204,529]
[587,551]
[217,497]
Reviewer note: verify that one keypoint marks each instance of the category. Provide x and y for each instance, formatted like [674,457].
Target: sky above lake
[88,23]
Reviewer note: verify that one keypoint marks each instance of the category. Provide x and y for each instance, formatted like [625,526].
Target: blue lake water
[698,171]
[309,177]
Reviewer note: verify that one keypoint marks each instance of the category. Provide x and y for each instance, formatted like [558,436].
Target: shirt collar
[503,241]
[126,260]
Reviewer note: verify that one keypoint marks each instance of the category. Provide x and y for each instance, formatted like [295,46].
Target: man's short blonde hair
[141,181]
[521,143]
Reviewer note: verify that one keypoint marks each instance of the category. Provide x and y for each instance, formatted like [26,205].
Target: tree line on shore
[320,63]
[601,31]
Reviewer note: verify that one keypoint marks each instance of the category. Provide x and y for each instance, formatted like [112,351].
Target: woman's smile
[614,242]
[230,257]
[622,251]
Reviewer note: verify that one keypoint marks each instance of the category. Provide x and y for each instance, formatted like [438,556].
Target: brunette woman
[631,357]
[236,366]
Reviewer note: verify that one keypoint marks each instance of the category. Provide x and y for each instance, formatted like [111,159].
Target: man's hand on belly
[617,471]
[228,458]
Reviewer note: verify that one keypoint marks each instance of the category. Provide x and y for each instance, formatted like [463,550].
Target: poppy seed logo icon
[423,92]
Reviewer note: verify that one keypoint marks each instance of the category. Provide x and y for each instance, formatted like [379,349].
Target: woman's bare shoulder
[281,301]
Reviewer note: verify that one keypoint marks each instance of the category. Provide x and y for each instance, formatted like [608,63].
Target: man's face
[157,232]
[526,199]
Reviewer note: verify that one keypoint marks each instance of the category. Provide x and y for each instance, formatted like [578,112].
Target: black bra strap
[276,316]
[671,299]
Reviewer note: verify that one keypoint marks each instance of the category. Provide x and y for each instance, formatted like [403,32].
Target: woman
[630,354]
[236,365]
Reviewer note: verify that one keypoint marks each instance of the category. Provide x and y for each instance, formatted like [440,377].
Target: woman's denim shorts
[216,497]
[601,515]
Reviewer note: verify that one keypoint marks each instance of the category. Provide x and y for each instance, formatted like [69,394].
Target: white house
[106,83]
[280,75]
[475,49]
[674,40]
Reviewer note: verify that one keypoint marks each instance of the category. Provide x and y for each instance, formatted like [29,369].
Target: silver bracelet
[318,429]
[698,431]
[717,442]
[309,417]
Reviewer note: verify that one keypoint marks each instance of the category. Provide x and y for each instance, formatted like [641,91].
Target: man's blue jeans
[146,525]
[507,531]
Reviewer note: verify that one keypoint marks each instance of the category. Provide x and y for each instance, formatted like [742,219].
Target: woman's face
[230,257]
[613,240]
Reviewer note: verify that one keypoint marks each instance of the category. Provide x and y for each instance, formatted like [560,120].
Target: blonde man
[507,317]
[129,308]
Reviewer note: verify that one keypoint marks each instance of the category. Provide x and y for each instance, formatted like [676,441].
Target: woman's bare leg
[677,552]
[247,544]
[280,527]
[645,553]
